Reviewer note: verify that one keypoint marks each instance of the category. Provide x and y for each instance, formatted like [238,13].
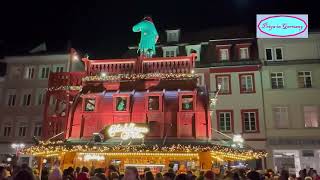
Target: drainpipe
[264,113]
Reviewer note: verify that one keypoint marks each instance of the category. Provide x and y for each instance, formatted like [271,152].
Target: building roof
[24,48]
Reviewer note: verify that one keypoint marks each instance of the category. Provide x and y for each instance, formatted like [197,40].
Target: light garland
[167,76]
[65,88]
[217,151]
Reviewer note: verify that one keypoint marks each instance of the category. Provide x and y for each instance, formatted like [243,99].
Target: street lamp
[237,141]
[17,147]
[213,101]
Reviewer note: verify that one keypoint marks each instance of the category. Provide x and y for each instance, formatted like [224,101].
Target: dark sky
[102,28]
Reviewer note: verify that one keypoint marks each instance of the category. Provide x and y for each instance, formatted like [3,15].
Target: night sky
[102,28]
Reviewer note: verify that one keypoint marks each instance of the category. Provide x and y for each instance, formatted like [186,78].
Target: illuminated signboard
[282,26]
[127,131]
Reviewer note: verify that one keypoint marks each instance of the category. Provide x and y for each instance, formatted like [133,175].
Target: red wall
[169,121]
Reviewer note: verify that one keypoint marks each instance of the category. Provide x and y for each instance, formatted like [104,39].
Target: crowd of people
[131,173]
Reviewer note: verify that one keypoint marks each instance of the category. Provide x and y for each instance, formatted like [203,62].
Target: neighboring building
[229,57]
[291,90]
[22,96]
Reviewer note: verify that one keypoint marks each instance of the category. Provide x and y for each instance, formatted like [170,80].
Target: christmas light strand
[166,76]
[65,88]
[222,152]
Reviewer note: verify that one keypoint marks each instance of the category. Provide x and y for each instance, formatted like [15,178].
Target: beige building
[22,97]
[291,91]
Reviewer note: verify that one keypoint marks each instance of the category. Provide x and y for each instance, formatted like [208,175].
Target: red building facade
[161,93]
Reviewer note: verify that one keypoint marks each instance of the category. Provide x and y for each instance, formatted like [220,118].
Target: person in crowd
[148,175]
[68,174]
[99,175]
[121,176]
[201,175]
[171,171]
[24,174]
[111,169]
[181,177]
[131,173]
[44,173]
[114,176]
[3,175]
[92,171]
[253,175]
[169,176]
[284,175]
[77,172]
[189,174]
[84,175]
[236,176]
[315,175]
[159,176]
[36,174]
[209,175]
[56,173]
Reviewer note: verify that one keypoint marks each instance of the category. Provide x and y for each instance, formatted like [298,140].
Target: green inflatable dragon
[149,36]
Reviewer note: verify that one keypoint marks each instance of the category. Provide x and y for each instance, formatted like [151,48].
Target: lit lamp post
[237,141]
[18,147]
[213,101]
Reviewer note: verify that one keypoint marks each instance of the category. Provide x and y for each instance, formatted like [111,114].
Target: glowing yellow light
[89,157]
[127,131]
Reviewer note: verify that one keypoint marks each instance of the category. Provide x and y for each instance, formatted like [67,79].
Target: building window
[170,53]
[26,100]
[225,120]
[224,54]
[277,81]
[29,72]
[53,100]
[187,102]
[15,72]
[58,68]
[153,103]
[44,72]
[121,103]
[279,54]
[172,36]
[41,96]
[269,54]
[304,79]
[7,130]
[89,104]
[247,83]
[37,130]
[200,79]
[244,53]
[250,120]
[311,116]
[11,97]
[22,131]
[281,117]
[225,82]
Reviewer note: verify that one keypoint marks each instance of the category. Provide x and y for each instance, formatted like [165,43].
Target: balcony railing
[168,65]
[183,64]
[111,67]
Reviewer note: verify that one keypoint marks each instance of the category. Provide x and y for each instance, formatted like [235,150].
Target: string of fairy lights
[65,88]
[129,77]
[217,151]
[166,76]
